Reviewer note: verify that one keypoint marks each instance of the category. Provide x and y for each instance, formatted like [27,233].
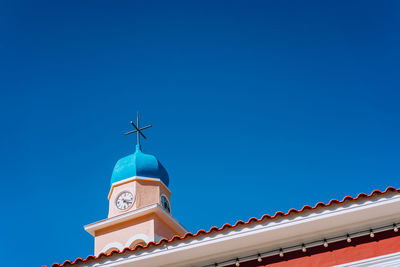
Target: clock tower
[139,204]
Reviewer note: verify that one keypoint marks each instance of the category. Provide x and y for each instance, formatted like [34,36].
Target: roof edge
[264,219]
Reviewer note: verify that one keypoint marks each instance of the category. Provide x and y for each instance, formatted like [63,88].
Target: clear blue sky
[256,106]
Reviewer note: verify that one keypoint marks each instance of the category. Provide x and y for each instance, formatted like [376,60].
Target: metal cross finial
[138,129]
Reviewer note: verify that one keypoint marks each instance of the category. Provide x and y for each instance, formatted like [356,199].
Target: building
[140,230]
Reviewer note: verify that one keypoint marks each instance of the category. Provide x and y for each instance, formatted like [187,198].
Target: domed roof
[139,164]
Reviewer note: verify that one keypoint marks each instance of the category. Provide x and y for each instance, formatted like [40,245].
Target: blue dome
[139,164]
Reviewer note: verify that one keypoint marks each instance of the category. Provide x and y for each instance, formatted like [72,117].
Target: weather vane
[138,130]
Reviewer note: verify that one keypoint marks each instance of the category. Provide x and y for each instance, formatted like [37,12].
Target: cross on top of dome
[138,130]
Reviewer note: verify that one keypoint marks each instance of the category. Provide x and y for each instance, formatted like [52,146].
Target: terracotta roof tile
[226,226]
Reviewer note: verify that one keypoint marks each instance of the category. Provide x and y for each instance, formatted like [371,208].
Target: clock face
[124,200]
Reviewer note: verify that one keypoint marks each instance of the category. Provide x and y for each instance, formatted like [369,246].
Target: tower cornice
[152,209]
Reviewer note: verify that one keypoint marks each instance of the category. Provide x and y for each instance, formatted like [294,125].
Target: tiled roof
[214,229]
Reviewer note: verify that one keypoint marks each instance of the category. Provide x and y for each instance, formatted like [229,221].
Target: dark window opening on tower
[165,204]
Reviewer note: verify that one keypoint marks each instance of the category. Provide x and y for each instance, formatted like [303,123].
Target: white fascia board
[155,208]
[267,235]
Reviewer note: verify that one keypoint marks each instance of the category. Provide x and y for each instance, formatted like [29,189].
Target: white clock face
[124,200]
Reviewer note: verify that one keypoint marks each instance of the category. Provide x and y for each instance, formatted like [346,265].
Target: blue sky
[256,106]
